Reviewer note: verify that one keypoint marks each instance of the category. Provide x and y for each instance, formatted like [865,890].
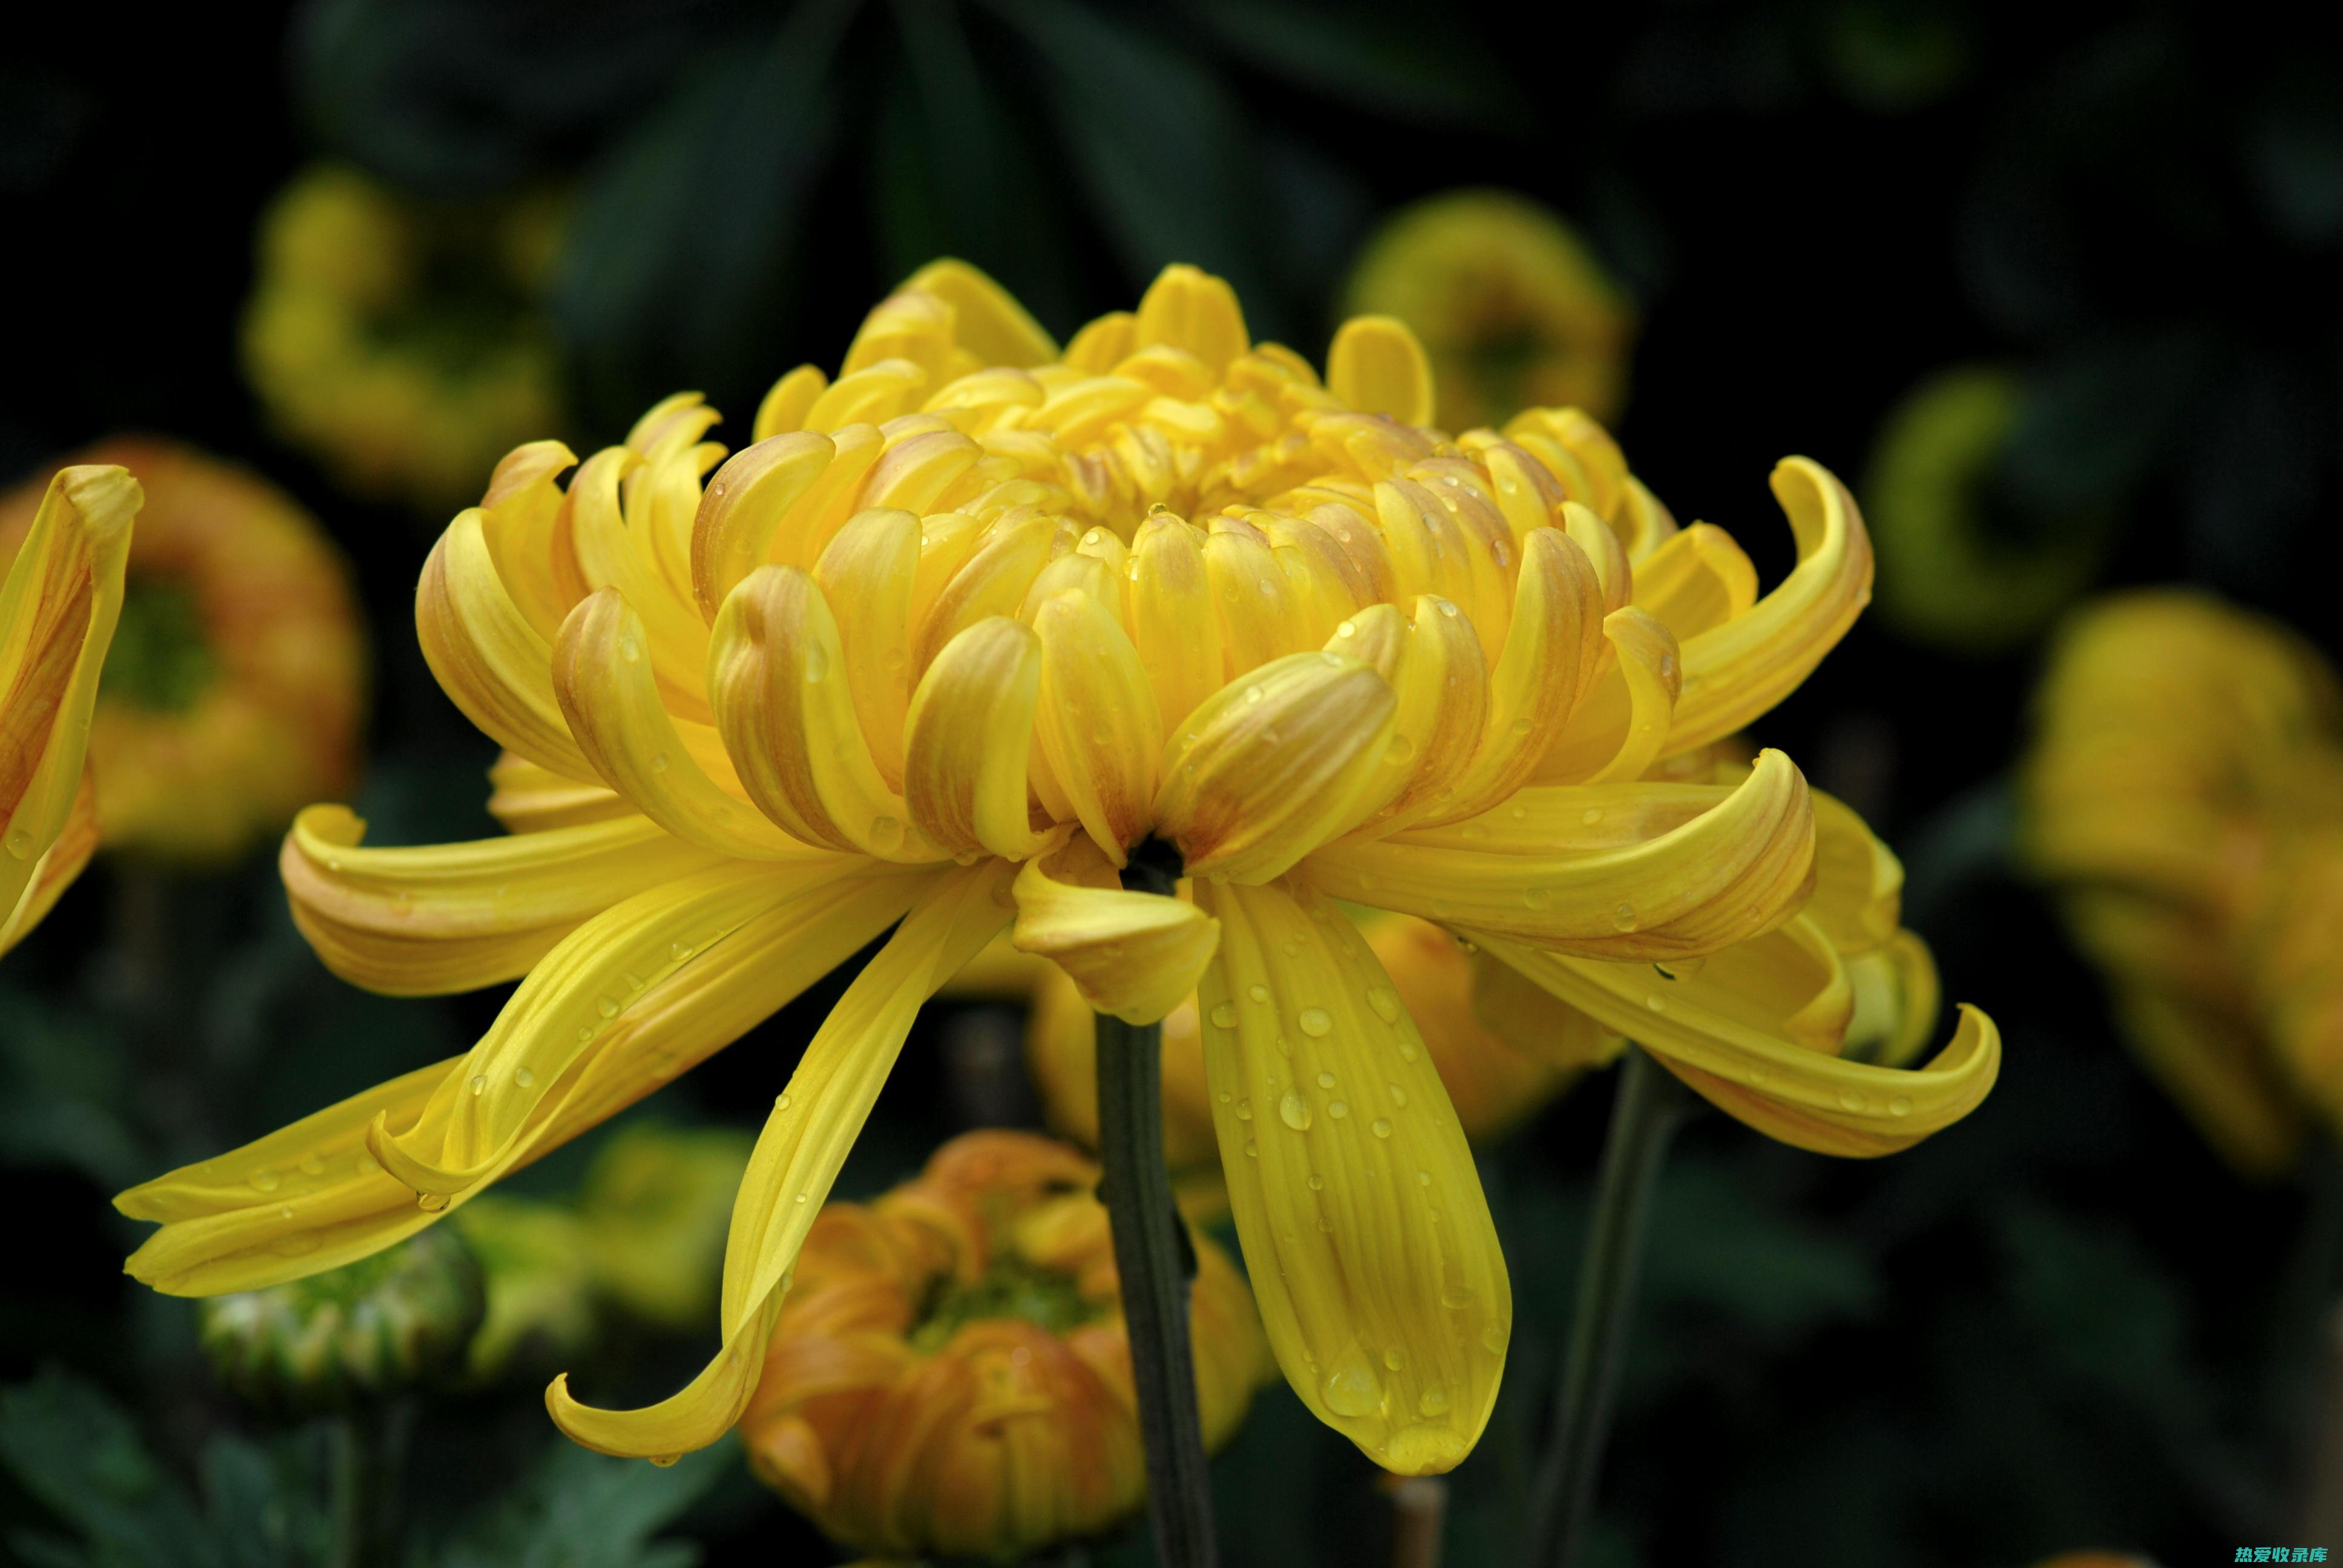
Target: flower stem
[1155,1261]
[1649,1106]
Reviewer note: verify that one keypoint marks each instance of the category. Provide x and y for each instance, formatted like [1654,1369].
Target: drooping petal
[311,1198]
[1273,765]
[1858,881]
[1134,955]
[1754,1058]
[455,916]
[1097,720]
[54,871]
[1377,365]
[603,676]
[487,657]
[1738,869]
[1370,1246]
[1697,580]
[572,996]
[520,517]
[812,1126]
[1623,724]
[968,738]
[58,610]
[785,704]
[1736,671]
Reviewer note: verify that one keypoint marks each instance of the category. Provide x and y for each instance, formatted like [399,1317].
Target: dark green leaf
[582,1510]
[1420,65]
[76,1452]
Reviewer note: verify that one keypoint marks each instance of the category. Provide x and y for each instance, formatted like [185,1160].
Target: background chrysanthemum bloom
[2183,789]
[1511,305]
[60,598]
[237,681]
[1494,1081]
[401,341]
[950,1373]
[943,649]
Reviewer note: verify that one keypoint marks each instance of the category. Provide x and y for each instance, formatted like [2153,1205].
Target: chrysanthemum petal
[528,798]
[1697,580]
[521,518]
[58,610]
[1550,653]
[968,740]
[613,703]
[805,1141]
[1897,998]
[1623,724]
[785,704]
[1172,621]
[1096,721]
[311,1198]
[572,996]
[1736,671]
[1134,955]
[742,509]
[487,657]
[783,409]
[1190,309]
[1377,365]
[630,522]
[1745,1052]
[55,869]
[455,916]
[1738,869]
[987,319]
[1273,765]
[1369,1243]
[1433,663]
[1858,881]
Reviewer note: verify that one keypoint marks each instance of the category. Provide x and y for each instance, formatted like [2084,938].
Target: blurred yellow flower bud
[1513,309]
[2184,799]
[236,687]
[399,1319]
[949,1373]
[655,1209]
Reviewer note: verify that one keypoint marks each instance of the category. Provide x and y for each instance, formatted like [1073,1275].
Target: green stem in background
[1649,1105]
[357,1482]
[1154,1258]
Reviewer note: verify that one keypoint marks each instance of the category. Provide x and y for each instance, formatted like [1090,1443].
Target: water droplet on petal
[1258,992]
[1401,750]
[1900,1106]
[1244,1111]
[886,833]
[665,1460]
[1254,694]
[1592,815]
[782,1103]
[1852,1101]
[1493,1338]
[1657,1003]
[817,662]
[265,1181]
[1381,1129]
[1326,1081]
[1385,1001]
[1224,1015]
[1294,1110]
[1317,1023]
[1432,1401]
[432,1203]
[524,1077]
[311,1165]
[1623,917]
[479,1083]
[1399,1095]
[630,650]
[1456,1296]
[1536,897]
[1353,1389]
[608,1006]
[659,762]
[1337,1109]
[1424,1178]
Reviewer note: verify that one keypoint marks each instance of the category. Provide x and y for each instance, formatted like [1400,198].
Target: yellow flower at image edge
[950,1373]
[59,600]
[961,632]
[235,683]
[2184,798]
[1513,308]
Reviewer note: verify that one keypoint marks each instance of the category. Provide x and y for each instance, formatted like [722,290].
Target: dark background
[2061,1323]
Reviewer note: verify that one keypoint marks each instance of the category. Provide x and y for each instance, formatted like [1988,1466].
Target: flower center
[1012,1287]
[161,659]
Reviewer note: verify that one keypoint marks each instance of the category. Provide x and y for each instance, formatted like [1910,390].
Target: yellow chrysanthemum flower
[403,343]
[951,1374]
[1510,304]
[2184,798]
[940,651]
[61,595]
[237,680]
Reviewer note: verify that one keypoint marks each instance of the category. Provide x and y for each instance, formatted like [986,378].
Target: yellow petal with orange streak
[1697,580]
[1097,720]
[787,402]
[967,740]
[66,857]
[743,507]
[1549,650]
[487,657]
[1620,726]
[1172,621]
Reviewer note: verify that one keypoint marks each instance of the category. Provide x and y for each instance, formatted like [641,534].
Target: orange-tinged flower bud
[949,1373]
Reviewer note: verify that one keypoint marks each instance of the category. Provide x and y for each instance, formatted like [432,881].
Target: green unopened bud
[540,1285]
[657,1204]
[398,1321]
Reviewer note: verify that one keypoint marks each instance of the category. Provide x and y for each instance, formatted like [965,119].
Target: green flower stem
[1155,1262]
[357,1482]
[1649,1105]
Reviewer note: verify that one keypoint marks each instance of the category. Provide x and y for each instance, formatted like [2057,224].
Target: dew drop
[1432,1401]
[432,1203]
[585,1034]
[679,951]
[524,1077]
[1224,1015]
[1381,1128]
[1337,1109]
[1347,629]
[1317,1023]
[265,1181]
[1493,1338]
[1657,1003]
[1400,750]
[630,650]
[1224,1096]
[311,1165]
[1519,727]
[782,1103]
[1520,812]
[1852,1101]
[1317,1183]
[886,833]
[479,1083]
[1352,1389]
[1258,992]
[298,1244]
[1395,1358]
[607,1007]
[1448,609]
[665,1461]
[1593,815]
[1407,1051]
[1254,694]
[1330,661]
[1385,1001]
[1424,1178]
[1252,1150]
[1326,1081]
[1456,1296]
[1399,1095]
[1623,917]
[1244,1111]
[1294,1110]
[801,1197]
[817,663]
[1900,1106]
[1536,897]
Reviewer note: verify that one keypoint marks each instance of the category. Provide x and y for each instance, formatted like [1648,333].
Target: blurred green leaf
[1159,145]
[63,1086]
[673,272]
[2095,422]
[1419,66]
[582,1510]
